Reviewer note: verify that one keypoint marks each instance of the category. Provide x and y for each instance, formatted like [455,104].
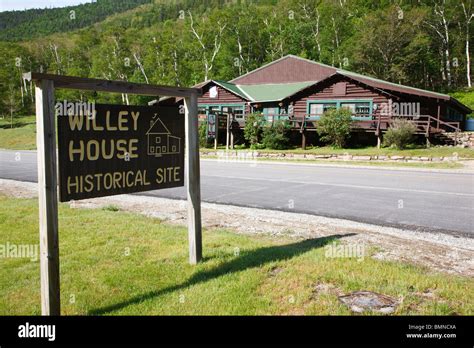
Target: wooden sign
[211,126]
[141,143]
[222,121]
[120,149]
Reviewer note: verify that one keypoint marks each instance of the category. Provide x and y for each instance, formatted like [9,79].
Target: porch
[426,125]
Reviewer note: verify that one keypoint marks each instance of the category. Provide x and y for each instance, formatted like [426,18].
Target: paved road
[421,199]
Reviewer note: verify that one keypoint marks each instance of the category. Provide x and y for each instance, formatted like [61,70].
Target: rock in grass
[361,301]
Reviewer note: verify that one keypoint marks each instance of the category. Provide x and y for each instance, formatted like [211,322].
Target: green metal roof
[273,92]
[264,92]
[231,87]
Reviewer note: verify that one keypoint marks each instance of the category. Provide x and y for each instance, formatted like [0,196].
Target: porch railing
[425,124]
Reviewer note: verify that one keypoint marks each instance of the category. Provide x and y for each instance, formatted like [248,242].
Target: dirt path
[436,251]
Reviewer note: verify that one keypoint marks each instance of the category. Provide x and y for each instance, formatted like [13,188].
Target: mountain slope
[22,25]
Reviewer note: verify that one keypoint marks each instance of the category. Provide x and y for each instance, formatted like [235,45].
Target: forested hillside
[426,44]
[21,25]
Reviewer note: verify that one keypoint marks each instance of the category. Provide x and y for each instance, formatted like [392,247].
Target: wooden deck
[426,125]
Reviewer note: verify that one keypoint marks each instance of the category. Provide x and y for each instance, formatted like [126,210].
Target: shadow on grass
[16,124]
[246,260]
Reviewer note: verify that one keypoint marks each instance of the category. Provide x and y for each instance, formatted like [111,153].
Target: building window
[270,113]
[363,109]
[350,106]
[158,140]
[237,110]
[214,109]
[359,109]
[318,109]
[239,114]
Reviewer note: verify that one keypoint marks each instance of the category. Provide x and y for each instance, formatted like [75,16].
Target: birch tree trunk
[315,29]
[468,15]
[208,61]
[140,66]
[441,28]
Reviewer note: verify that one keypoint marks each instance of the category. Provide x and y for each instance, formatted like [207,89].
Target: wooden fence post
[438,115]
[227,135]
[216,134]
[303,139]
[378,132]
[193,179]
[303,132]
[48,198]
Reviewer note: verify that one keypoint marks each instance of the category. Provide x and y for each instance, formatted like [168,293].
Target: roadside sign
[222,121]
[120,149]
[107,150]
[211,126]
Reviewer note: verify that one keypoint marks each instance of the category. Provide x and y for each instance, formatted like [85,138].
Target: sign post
[193,180]
[47,197]
[91,169]
[212,128]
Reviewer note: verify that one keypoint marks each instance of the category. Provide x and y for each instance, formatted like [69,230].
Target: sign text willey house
[121,149]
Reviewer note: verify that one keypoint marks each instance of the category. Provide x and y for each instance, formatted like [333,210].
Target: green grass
[118,263]
[111,207]
[429,165]
[21,137]
[372,151]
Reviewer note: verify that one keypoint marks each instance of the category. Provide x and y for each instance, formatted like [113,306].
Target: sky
[10,5]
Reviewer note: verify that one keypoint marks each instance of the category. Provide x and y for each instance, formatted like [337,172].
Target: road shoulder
[468,166]
[435,251]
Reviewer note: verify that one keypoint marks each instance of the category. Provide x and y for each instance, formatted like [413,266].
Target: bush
[334,126]
[400,134]
[275,136]
[111,207]
[257,147]
[253,128]
[465,96]
[203,139]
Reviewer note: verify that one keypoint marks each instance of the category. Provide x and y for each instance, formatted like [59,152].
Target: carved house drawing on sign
[160,141]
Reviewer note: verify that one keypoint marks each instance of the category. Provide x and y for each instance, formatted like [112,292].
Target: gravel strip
[436,251]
